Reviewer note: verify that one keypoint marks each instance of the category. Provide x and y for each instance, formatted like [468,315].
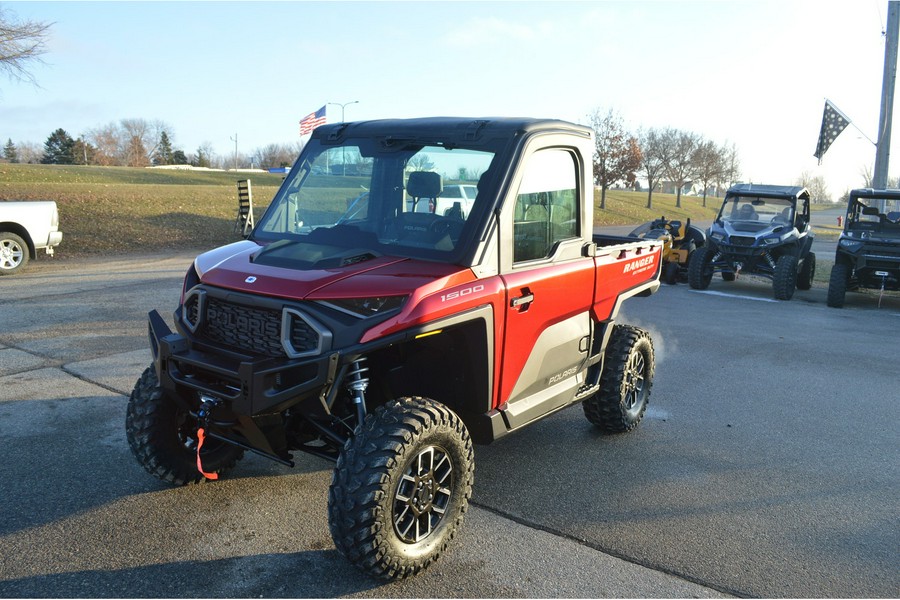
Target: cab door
[549,276]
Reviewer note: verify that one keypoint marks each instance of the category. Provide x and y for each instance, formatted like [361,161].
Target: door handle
[522,300]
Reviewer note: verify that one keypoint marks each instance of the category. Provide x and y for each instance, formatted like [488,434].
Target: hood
[239,267]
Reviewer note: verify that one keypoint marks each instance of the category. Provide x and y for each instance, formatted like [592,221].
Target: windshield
[377,198]
[738,209]
[874,213]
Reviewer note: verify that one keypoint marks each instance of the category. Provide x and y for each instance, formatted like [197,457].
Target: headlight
[850,244]
[717,236]
[771,240]
[366,307]
[191,279]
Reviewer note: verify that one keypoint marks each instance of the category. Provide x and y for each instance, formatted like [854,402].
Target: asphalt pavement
[767,464]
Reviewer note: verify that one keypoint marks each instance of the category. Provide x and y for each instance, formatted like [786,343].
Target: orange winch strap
[201,435]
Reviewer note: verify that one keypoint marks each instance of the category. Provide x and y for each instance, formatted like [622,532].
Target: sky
[754,74]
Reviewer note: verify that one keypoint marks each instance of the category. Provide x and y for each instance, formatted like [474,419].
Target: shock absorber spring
[357,384]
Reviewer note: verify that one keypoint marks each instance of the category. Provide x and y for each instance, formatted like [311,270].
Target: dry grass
[118,210]
[122,210]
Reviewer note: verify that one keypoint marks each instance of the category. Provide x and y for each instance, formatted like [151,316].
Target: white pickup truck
[25,228]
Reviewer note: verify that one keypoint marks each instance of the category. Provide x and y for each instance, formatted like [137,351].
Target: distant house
[690,188]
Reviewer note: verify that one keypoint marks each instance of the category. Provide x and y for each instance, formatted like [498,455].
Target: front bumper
[251,386]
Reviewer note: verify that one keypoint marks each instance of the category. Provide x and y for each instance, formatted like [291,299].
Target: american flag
[311,121]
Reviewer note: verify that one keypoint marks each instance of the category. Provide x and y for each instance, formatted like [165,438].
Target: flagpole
[883,146]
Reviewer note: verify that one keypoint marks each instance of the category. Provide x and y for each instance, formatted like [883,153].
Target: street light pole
[343,105]
[343,157]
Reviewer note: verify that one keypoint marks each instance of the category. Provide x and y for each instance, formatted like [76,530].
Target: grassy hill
[116,210]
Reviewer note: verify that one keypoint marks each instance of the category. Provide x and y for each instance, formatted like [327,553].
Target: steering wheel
[447,226]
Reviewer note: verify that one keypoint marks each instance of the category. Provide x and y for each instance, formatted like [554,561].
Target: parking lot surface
[767,464]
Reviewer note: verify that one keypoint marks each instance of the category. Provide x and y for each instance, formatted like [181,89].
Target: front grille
[244,328]
[256,329]
[739,240]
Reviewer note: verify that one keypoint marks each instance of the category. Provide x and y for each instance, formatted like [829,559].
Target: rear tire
[837,284]
[13,253]
[807,272]
[401,487]
[700,269]
[785,281]
[163,437]
[626,381]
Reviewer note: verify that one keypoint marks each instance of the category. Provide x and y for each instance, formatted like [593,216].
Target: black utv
[868,252]
[761,230]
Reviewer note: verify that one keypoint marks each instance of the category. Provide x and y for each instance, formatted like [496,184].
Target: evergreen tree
[179,158]
[202,159]
[58,149]
[9,151]
[164,152]
[83,152]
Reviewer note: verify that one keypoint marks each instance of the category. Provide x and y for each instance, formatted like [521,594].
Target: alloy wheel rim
[634,383]
[423,495]
[10,254]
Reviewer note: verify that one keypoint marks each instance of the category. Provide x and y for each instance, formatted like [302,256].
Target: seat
[244,221]
[424,184]
[783,217]
[747,213]
[538,210]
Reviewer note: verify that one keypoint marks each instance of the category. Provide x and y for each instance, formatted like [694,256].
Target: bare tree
[731,168]
[653,163]
[274,155]
[617,155]
[420,162]
[818,190]
[866,172]
[107,147]
[678,150]
[709,162]
[21,43]
[138,139]
[29,152]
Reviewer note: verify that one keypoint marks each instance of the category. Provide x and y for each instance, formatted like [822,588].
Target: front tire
[670,273]
[401,487]
[785,280]
[837,284]
[626,381]
[163,436]
[13,253]
[807,272]
[700,269]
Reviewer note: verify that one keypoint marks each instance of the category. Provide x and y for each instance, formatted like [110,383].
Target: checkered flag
[833,123]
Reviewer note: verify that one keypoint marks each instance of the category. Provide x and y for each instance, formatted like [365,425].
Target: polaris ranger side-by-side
[354,326]
[868,251]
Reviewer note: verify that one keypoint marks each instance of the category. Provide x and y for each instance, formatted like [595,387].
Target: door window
[546,210]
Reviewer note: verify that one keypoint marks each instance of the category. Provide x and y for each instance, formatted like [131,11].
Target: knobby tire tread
[362,480]
[604,409]
[150,427]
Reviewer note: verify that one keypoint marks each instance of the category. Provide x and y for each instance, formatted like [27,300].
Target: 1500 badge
[461,293]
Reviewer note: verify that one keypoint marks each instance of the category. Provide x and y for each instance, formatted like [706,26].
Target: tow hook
[884,276]
[207,405]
